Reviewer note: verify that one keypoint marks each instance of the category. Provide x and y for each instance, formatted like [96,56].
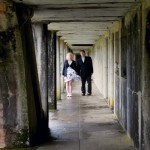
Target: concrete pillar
[105,66]
[36,125]
[52,70]
[111,71]
[58,68]
[145,99]
[65,51]
[99,59]
[116,74]
[62,64]
[123,76]
[40,42]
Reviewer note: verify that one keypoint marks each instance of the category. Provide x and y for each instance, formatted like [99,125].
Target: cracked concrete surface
[85,123]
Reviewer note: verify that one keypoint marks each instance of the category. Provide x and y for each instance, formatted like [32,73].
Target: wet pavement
[85,123]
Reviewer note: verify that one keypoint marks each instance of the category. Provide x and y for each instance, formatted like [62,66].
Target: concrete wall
[13,95]
[123,54]
[100,64]
[22,121]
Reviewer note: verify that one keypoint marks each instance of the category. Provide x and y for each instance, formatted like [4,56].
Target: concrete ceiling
[80,32]
[79,22]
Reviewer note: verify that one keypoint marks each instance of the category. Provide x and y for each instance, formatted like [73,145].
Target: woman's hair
[69,54]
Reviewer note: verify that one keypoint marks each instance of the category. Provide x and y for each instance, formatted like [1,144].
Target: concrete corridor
[85,123]
[36,35]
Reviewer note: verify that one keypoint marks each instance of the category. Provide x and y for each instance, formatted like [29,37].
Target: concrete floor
[85,123]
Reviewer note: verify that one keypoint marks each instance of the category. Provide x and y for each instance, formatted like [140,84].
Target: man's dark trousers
[85,79]
[85,70]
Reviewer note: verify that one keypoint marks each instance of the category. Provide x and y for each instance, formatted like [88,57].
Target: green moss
[22,138]
[7,44]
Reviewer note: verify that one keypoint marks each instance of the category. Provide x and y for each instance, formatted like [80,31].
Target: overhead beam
[70,32]
[71,19]
[91,5]
[80,26]
[78,14]
[69,2]
[79,42]
[79,37]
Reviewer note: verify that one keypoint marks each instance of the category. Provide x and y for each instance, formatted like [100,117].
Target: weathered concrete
[79,13]
[62,59]
[41,51]
[124,73]
[133,78]
[116,73]
[120,56]
[13,96]
[37,125]
[145,75]
[83,123]
[111,71]
[52,70]
[19,86]
[105,69]
[58,74]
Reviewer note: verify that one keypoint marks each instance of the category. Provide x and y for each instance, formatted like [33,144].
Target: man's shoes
[83,94]
[89,94]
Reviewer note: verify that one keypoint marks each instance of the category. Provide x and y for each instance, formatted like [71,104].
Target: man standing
[85,70]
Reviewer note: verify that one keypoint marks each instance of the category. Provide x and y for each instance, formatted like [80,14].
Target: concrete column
[65,51]
[123,76]
[111,71]
[117,101]
[122,82]
[105,72]
[145,99]
[99,60]
[58,68]
[62,64]
[35,111]
[40,42]
[52,70]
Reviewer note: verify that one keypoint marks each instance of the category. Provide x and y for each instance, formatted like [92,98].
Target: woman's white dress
[71,75]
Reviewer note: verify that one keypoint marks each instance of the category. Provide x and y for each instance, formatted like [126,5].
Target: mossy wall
[131,72]
[13,96]
[22,121]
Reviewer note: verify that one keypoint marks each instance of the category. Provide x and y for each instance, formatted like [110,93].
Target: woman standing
[69,73]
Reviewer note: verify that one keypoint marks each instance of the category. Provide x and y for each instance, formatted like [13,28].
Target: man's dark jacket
[85,69]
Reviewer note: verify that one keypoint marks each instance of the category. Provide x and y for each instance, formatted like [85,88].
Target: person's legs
[67,88]
[89,85]
[70,88]
[83,89]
